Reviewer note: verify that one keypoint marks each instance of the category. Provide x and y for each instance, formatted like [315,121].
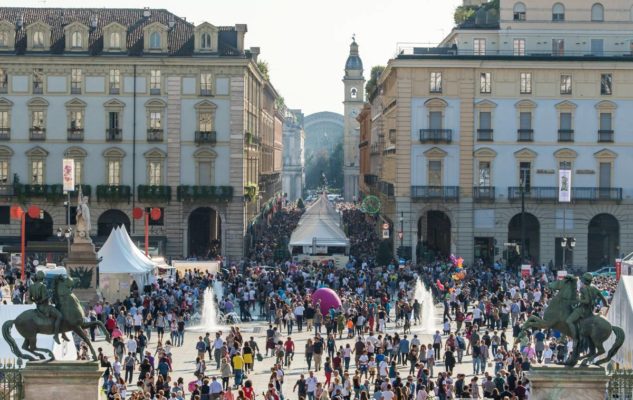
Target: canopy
[120,255]
[621,314]
[320,226]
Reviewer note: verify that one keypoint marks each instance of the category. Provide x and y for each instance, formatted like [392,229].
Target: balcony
[49,192]
[75,134]
[605,135]
[444,193]
[37,133]
[75,90]
[153,194]
[114,90]
[206,92]
[6,190]
[38,89]
[436,135]
[484,135]
[114,193]
[114,135]
[565,135]
[483,194]
[596,194]
[204,193]
[525,135]
[251,139]
[154,135]
[538,193]
[206,137]
[374,149]
[5,133]
[386,188]
[369,179]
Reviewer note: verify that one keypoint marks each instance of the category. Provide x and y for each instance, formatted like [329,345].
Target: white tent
[121,262]
[319,227]
[621,314]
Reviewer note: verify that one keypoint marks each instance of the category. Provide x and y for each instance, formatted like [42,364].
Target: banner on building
[564,185]
[68,174]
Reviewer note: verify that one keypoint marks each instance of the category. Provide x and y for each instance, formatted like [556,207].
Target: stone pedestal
[81,265]
[68,380]
[558,382]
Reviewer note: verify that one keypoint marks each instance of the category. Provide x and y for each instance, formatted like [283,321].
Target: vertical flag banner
[564,185]
[68,174]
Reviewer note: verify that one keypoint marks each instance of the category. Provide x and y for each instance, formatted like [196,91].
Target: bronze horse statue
[31,322]
[593,331]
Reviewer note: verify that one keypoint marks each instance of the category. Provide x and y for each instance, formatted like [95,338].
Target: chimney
[172,21]
[255,53]
[241,32]
[146,12]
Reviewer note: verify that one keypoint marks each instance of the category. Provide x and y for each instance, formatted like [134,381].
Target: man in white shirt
[216,389]
[383,369]
[311,385]
[299,309]
[132,345]
[388,394]
[218,344]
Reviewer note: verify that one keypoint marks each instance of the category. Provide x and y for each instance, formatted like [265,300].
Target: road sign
[385,233]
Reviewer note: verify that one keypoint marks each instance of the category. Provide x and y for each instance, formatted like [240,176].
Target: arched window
[4,39]
[115,40]
[558,12]
[38,39]
[597,12]
[205,41]
[519,12]
[354,93]
[76,40]
[154,40]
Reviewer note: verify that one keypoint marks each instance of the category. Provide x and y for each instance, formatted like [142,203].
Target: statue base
[68,380]
[559,382]
[81,265]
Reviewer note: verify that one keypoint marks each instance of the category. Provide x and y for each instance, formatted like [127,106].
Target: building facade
[154,111]
[293,178]
[354,85]
[470,130]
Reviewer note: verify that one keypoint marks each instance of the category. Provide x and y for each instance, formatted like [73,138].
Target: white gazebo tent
[319,230]
[121,263]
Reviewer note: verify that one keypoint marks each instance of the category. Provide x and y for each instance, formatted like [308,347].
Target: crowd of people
[369,347]
[361,230]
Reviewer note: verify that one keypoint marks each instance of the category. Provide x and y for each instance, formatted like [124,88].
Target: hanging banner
[564,185]
[618,268]
[68,174]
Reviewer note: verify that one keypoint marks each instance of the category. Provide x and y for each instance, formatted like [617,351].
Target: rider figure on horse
[584,309]
[38,294]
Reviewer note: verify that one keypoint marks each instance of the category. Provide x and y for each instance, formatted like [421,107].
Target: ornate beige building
[155,112]
[461,133]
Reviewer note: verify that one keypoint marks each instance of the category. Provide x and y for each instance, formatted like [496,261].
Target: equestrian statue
[574,316]
[67,315]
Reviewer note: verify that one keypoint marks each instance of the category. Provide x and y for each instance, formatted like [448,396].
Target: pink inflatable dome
[327,298]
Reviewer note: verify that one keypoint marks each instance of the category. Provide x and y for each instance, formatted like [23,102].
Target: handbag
[260,357]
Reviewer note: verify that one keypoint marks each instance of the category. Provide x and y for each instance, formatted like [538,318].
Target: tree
[262,66]
[300,204]
[373,80]
[384,255]
[463,13]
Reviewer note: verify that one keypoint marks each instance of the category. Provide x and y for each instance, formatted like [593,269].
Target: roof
[120,255]
[180,37]
[354,61]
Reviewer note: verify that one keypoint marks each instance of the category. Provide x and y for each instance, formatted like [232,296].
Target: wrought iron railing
[605,135]
[565,135]
[154,193]
[436,135]
[208,193]
[447,193]
[206,137]
[483,193]
[37,133]
[525,135]
[75,134]
[114,135]
[11,382]
[370,179]
[386,188]
[484,135]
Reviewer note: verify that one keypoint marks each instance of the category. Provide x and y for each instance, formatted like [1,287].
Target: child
[447,326]
[350,328]
[372,370]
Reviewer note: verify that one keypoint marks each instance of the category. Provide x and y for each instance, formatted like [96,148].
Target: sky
[306,43]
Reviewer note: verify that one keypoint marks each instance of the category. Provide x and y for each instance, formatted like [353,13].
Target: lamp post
[65,234]
[18,212]
[401,233]
[522,250]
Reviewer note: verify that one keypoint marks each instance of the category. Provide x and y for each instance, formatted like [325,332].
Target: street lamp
[566,243]
[401,233]
[66,234]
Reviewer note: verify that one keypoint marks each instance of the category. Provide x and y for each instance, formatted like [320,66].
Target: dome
[353,61]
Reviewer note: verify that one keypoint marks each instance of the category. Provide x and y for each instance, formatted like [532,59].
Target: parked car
[605,271]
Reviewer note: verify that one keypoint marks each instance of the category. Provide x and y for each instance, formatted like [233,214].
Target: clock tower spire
[354,85]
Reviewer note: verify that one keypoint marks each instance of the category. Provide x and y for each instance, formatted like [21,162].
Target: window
[37,121]
[526,83]
[155,171]
[205,41]
[485,126]
[154,40]
[435,173]
[154,81]
[78,155]
[37,172]
[38,39]
[76,40]
[606,82]
[4,172]
[4,81]
[435,120]
[205,120]
[565,121]
[205,166]
[79,166]
[565,84]
[525,121]
[206,80]
[484,174]
[115,81]
[519,47]
[113,132]
[38,81]
[5,123]
[436,82]
[115,40]
[597,47]
[605,175]
[558,47]
[565,131]
[114,172]
[113,120]
[605,122]
[155,120]
[558,12]
[485,83]
[354,93]
[76,120]
[597,13]
[525,174]
[75,81]
[519,12]
[479,47]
